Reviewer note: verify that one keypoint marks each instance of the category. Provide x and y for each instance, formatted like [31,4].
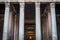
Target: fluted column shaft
[21,22]
[53,19]
[38,21]
[6,21]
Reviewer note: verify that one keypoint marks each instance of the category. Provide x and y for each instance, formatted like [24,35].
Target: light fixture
[30,37]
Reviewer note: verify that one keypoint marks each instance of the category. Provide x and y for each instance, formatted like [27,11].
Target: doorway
[29,24]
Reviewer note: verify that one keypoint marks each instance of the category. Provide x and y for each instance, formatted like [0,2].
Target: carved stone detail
[53,5]
[22,5]
[37,4]
[7,4]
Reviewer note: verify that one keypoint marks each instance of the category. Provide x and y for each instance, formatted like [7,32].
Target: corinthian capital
[7,4]
[52,5]
[37,4]
[22,5]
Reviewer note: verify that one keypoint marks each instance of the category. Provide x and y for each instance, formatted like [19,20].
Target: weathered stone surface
[29,0]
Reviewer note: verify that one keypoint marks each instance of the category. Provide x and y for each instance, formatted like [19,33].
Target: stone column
[53,19]
[21,22]
[16,31]
[15,26]
[38,23]
[49,26]
[6,23]
[10,29]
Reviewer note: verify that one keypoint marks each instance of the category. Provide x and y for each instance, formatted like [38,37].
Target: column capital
[7,4]
[52,5]
[22,4]
[37,4]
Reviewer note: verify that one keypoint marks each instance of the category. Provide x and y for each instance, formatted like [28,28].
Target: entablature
[29,0]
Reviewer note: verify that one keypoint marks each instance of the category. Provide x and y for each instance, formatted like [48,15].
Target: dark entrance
[29,25]
[57,9]
[2,10]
